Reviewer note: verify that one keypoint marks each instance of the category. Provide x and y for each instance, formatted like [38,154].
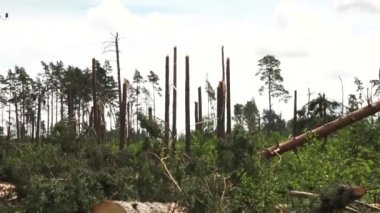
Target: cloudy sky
[316,41]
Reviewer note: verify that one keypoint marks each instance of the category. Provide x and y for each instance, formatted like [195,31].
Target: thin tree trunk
[187,107]
[150,114]
[48,113]
[52,111]
[95,105]
[220,110]
[17,119]
[62,107]
[38,118]
[228,98]
[9,122]
[223,70]
[200,116]
[196,115]
[118,70]
[174,128]
[323,130]
[295,114]
[167,101]
[122,117]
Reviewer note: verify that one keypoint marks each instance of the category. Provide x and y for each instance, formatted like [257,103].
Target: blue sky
[316,41]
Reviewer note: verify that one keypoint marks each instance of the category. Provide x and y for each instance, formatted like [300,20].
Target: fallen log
[323,130]
[141,207]
[7,190]
[341,197]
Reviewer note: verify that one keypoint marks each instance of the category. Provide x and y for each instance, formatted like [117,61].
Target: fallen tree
[338,198]
[141,207]
[323,130]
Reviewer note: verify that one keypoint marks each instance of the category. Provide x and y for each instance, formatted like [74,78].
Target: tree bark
[95,105]
[220,110]
[196,114]
[323,130]
[38,118]
[223,70]
[122,117]
[167,101]
[17,119]
[124,206]
[200,116]
[228,98]
[295,114]
[118,69]
[187,108]
[174,128]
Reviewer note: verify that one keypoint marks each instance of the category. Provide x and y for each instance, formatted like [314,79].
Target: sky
[316,41]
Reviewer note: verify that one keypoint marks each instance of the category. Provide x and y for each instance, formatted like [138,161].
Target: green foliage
[219,176]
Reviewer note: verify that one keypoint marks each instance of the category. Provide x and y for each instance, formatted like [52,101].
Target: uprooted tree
[322,131]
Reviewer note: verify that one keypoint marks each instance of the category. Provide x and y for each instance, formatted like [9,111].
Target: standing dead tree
[196,116]
[167,100]
[228,98]
[174,129]
[221,103]
[200,116]
[95,104]
[187,107]
[114,43]
[123,117]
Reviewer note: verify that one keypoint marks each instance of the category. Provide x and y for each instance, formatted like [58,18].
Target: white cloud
[368,6]
[313,50]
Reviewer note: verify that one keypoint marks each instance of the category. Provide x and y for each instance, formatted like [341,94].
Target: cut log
[132,207]
[7,190]
[323,130]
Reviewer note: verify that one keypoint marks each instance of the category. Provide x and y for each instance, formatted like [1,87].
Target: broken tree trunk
[187,107]
[220,108]
[142,207]
[323,130]
[174,122]
[167,101]
[196,116]
[228,98]
[122,117]
[95,105]
[200,115]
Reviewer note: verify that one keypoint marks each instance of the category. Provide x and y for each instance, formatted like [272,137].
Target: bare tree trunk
[228,98]
[9,122]
[95,105]
[118,68]
[220,110]
[150,114]
[187,107]
[38,118]
[17,120]
[52,111]
[200,116]
[323,130]
[174,128]
[295,114]
[128,130]
[196,114]
[122,117]
[167,101]
[48,113]
[223,70]
[70,107]
[62,108]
